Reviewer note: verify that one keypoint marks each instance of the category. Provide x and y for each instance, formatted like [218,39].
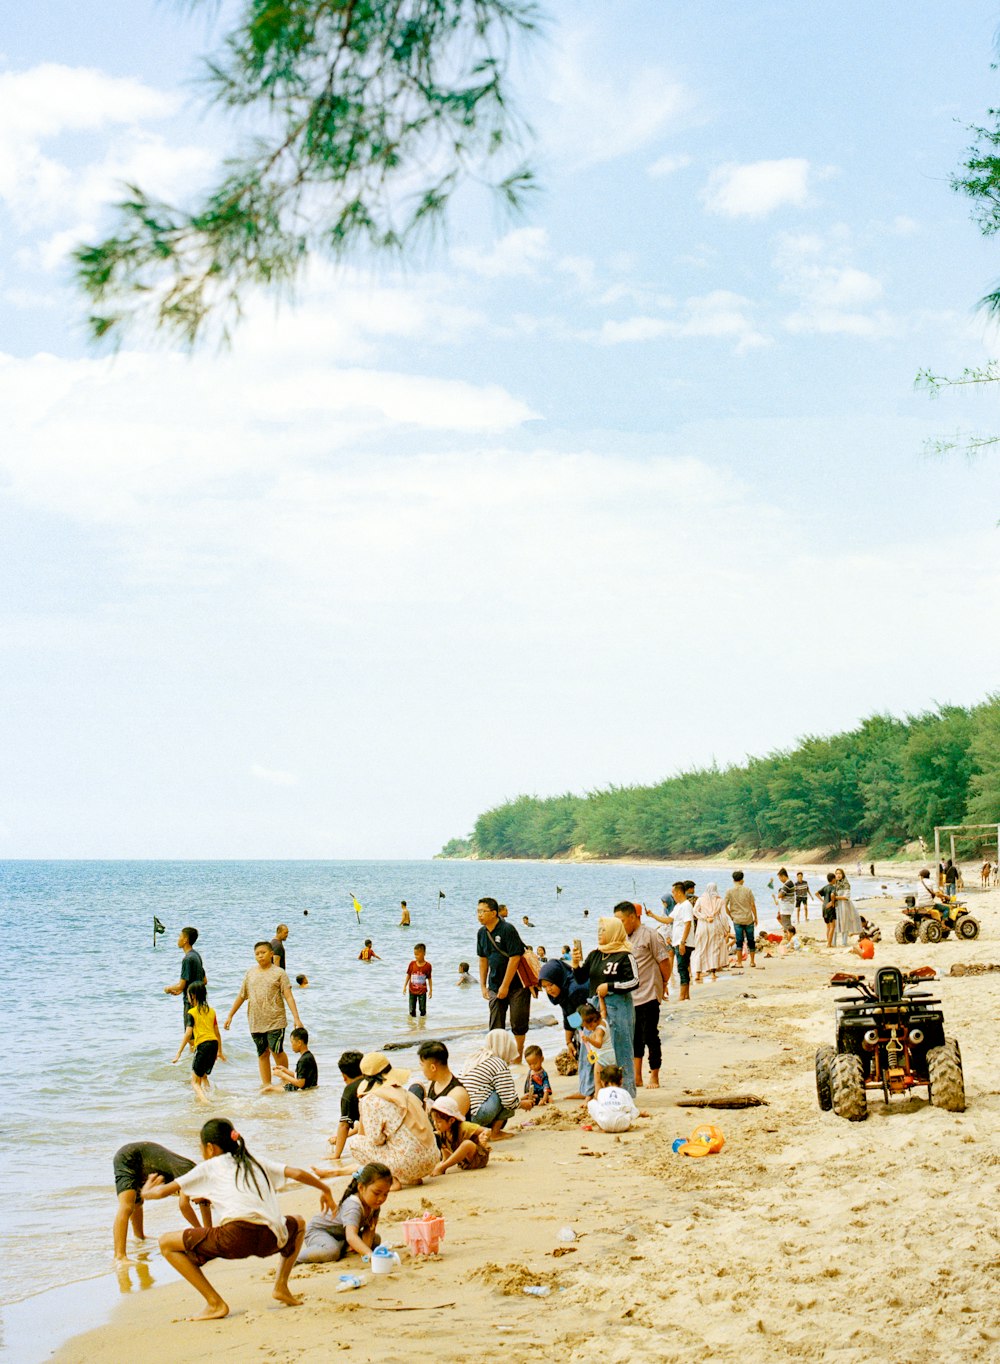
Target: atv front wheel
[906,931]
[947,1082]
[847,1084]
[968,927]
[824,1059]
[931,931]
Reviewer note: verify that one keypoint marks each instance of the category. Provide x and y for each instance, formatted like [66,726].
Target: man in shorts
[133,1164]
[500,949]
[267,989]
[192,969]
[742,909]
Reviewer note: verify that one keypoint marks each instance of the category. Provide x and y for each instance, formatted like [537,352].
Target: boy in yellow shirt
[203,1037]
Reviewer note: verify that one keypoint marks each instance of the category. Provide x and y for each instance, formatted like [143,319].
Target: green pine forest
[880,786]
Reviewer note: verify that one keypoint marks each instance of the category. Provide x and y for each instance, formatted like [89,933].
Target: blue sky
[634,482]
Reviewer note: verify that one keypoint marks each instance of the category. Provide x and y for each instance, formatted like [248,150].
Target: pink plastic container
[423,1235]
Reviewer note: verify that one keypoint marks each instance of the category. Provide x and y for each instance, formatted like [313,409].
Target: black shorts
[205,1057]
[830,916]
[273,1041]
[801,900]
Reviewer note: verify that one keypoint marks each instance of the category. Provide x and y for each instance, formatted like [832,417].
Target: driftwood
[972,968]
[469,1030]
[723,1101]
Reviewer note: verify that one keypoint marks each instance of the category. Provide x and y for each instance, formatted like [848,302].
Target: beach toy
[384,1260]
[347,1282]
[424,1234]
[710,1135]
[677,1143]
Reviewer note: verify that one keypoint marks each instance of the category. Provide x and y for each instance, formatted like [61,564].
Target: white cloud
[834,296]
[596,116]
[51,99]
[518,253]
[720,315]
[634,329]
[667,165]
[273,776]
[757,188]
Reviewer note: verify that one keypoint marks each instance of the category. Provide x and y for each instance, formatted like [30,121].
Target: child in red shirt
[418,981]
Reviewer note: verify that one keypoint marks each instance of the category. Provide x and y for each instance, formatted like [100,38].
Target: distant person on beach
[248,1220]
[404,917]
[192,969]
[848,921]
[203,1037]
[368,952]
[681,935]
[785,897]
[537,1085]
[329,1236]
[462,1144]
[278,945]
[713,932]
[417,983]
[871,870]
[802,896]
[526,921]
[306,1071]
[268,990]
[349,1066]
[951,877]
[302,982]
[741,907]
[500,949]
[653,962]
[133,1164]
[464,978]
[433,1059]
[828,907]
[613,1108]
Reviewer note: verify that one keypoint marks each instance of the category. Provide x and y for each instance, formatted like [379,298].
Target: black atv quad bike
[889,1038]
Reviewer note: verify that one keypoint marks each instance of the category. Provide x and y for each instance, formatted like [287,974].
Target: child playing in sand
[203,1037]
[596,1037]
[462,1144]
[613,1108]
[368,952]
[417,982]
[248,1220]
[352,1227]
[537,1084]
[464,978]
[306,1072]
[863,948]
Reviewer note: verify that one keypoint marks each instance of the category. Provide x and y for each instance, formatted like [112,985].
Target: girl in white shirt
[242,1191]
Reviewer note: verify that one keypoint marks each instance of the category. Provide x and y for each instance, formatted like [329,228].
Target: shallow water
[93,1034]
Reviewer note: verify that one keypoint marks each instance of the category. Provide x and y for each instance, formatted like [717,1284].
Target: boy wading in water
[249,1222]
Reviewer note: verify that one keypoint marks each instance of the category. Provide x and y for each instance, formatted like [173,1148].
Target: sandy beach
[805,1236]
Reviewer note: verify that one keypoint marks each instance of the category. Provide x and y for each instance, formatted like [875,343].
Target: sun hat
[377,1065]
[445,1104]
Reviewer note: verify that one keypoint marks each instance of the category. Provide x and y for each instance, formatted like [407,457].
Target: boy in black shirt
[306,1072]
[829,908]
[350,1113]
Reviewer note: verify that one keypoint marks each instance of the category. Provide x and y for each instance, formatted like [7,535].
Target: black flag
[441,896]
[157,928]
[558,891]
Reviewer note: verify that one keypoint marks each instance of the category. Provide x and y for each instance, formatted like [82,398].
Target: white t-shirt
[613,1109]
[925,896]
[682,915]
[234,1199]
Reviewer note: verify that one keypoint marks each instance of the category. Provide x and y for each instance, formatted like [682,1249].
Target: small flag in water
[157,928]
[357,906]
[558,891]
[441,896]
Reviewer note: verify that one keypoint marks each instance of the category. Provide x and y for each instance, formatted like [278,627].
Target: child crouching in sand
[352,1227]
[248,1220]
[613,1109]
[462,1144]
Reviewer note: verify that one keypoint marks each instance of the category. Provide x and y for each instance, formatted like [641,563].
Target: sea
[91,1035]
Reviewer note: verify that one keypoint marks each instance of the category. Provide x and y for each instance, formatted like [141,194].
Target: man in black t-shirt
[192,969]
[500,949]
[278,945]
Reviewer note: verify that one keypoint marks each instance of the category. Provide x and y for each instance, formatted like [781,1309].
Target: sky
[635,482]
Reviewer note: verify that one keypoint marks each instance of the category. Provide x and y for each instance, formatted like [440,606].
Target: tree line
[881,785]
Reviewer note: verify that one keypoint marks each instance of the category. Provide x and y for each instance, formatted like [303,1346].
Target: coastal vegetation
[882,785]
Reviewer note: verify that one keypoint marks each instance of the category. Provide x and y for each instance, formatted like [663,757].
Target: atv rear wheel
[968,927]
[906,931]
[847,1084]
[947,1082]
[824,1059]
[931,931]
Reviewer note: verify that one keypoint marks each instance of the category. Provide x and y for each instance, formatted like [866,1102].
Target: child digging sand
[537,1085]
[248,1220]
[462,1144]
[352,1227]
[613,1109]
[203,1037]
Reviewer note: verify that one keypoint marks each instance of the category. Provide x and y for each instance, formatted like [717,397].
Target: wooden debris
[724,1101]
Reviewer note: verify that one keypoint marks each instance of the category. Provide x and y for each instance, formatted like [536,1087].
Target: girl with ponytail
[242,1191]
[352,1226]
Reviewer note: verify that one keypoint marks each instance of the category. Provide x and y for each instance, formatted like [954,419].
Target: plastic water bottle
[538,1290]
[348,1281]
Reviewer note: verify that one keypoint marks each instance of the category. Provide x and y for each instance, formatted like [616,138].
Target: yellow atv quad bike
[931,923]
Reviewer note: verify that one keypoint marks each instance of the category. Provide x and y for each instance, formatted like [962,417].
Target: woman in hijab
[489,1083]
[394,1126]
[713,928]
[848,919]
[611,973]
[559,983]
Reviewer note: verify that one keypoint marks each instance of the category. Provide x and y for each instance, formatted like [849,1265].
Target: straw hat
[376,1063]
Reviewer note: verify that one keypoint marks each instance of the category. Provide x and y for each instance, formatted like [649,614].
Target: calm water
[88,1065]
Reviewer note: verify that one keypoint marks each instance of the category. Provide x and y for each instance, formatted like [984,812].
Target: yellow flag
[357,907]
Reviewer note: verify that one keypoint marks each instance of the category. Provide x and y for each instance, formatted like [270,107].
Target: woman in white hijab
[490,1084]
[713,927]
